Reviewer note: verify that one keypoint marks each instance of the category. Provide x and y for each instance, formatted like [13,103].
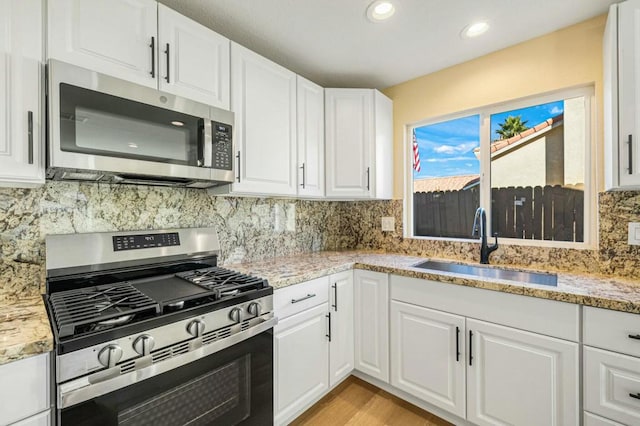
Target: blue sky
[446,148]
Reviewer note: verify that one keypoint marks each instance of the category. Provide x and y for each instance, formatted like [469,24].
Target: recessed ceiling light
[475,29]
[132,145]
[177,123]
[380,10]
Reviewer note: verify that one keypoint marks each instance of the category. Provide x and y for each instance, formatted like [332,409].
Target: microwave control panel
[222,146]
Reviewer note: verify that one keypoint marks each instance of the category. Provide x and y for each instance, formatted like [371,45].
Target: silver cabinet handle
[167,53]
[308,296]
[368,178]
[238,158]
[303,176]
[30,136]
[630,142]
[335,297]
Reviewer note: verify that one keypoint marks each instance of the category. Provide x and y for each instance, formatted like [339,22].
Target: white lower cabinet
[371,292]
[301,358]
[427,355]
[520,378]
[24,391]
[593,420]
[341,347]
[313,342]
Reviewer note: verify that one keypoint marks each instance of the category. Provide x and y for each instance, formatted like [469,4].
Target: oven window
[100,124]
[200,401]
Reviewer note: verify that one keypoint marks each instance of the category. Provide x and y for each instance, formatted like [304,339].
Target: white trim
[590,168]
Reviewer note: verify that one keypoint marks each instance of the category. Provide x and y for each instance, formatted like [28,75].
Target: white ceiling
[332,43]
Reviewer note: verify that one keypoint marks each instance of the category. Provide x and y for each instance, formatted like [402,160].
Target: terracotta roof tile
[447,183]
[500,144]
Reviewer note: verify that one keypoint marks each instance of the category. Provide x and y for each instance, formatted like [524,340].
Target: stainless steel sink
[487,272]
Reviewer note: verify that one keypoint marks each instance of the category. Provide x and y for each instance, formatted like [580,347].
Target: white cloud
[444,160]
[555,110]
[455,149]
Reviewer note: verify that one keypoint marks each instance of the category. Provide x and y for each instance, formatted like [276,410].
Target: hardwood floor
[355,402]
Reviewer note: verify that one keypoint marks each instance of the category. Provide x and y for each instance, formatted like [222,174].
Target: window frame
[485,112]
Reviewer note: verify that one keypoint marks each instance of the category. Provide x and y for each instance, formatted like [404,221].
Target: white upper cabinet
[310,121]
[194,60]
[115,37]
[21,93]
[358,144]
[143,42]
[263,98]
[622,96]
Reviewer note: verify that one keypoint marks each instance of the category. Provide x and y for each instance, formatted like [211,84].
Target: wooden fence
[538,213]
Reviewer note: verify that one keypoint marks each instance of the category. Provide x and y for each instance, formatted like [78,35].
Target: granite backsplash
[257,228]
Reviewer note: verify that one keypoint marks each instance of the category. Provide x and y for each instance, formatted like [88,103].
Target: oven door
[231,387]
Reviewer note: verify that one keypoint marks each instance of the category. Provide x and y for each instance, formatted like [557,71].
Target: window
[526,162]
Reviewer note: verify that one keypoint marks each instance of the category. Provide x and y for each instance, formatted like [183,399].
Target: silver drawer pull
[634,336]
[308,296]
[635,395]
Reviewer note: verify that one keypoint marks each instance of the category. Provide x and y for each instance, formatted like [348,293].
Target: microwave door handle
[200,146]
[207,147]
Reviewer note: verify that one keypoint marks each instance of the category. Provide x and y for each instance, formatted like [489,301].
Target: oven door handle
[81,390]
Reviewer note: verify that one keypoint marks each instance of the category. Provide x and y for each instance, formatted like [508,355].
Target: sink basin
[487,272]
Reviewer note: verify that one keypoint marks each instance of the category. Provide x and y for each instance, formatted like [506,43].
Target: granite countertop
[591,290]
[24,329]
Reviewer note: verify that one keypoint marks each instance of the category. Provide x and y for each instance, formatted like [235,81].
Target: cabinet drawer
[24,388]
[609,381]
[611,330]
[40,419]
[296,298]
[593,420]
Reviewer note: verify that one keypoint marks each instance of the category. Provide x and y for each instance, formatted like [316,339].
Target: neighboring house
[447,183]
[549,153]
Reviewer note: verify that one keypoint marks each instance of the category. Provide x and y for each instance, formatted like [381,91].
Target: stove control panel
[142,241]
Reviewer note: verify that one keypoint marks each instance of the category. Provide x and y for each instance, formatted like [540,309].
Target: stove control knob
[110,355]
[195,328]
[144,344]
[254,309]
[236,315]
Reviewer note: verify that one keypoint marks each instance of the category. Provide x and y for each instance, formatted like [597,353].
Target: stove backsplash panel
[248,228]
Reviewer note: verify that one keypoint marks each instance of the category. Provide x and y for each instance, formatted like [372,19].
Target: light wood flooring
[355,402]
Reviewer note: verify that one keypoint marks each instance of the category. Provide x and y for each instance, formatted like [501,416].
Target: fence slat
[579,216]
[538,218]
[547,213]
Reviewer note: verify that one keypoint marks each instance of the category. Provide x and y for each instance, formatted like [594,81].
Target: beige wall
[566,58]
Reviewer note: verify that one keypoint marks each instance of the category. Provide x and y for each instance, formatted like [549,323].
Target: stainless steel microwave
[104,129]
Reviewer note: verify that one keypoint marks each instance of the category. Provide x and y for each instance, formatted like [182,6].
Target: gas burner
[224,283]
[97,308]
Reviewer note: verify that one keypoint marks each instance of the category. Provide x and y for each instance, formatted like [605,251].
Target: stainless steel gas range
[149,330]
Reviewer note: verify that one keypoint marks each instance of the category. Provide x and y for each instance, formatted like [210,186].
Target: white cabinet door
[428,355]
[198,59]
[115,37]
[341,353]
[24,387]
[263,97]
[349,137]
[519,378]
[310,119]
[629,92]
[301,360]
[371,292]
[21,93]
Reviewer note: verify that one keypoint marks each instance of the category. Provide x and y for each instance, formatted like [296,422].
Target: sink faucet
[480,228]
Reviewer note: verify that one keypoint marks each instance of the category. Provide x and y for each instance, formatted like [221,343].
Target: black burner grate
[79,308]
[223,282]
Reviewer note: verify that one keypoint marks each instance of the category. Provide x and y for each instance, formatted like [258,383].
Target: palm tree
[511,126]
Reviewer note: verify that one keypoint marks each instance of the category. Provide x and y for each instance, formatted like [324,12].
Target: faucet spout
[480,228]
